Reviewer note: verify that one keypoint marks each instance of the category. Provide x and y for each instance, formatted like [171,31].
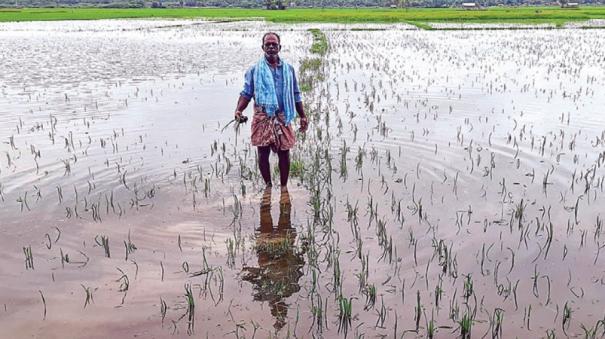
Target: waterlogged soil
[449,182]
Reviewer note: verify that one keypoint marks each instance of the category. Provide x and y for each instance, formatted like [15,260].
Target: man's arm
[303,118]
[299,105]
[246,94]
[242,103]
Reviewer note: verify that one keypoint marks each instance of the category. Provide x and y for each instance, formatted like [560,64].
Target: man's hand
[304,124]
[239,117]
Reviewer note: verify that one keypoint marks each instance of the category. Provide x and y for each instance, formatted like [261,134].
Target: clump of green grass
[297,168]
[466,324]
[320,43]
[305,87]
[310,68]
[310,65]
[345,307]
[310,73]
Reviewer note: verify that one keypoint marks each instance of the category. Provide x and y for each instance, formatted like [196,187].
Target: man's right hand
[239,117]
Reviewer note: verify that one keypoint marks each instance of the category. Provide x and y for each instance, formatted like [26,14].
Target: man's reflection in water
[280,261]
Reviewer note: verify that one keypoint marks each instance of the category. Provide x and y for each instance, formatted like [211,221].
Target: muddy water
[464,152]
[476,146]
[113,128]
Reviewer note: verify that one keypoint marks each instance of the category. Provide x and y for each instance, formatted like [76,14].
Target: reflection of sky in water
[159,89]
[432,87]
[170,83]
[52,53]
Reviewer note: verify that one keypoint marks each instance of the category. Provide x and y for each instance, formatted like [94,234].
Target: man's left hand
[303,124]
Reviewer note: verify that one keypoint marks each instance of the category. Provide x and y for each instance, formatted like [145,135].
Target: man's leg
[263,164]
[284,168]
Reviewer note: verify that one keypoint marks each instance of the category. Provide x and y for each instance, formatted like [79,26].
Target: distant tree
[274,4]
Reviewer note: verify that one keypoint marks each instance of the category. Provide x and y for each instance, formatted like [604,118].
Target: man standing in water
[272,83]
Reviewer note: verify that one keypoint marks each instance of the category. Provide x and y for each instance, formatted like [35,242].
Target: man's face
[271,45]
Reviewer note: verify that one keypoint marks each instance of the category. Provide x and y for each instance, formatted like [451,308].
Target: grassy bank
[310,68]
[527,15]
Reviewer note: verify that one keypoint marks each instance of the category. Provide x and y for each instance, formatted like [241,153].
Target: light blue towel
[265,91]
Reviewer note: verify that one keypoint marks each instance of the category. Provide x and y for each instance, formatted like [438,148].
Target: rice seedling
[124,284]
[230,252]
[527,317]
[370,292]
[345,309]
[44,303]
[89,296]
[465,325]
[29,257]
[496,323]
[566,319]
[22,200]
[103,241]
[431,327]
[129,247]
[468,288]
[163,309]
[190,313]
[417,312]
[382,314]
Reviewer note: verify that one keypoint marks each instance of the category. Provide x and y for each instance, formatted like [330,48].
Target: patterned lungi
[271,131]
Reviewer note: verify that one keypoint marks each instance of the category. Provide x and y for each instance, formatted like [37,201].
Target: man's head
[271,44]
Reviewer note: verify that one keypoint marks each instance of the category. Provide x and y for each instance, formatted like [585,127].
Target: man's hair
[271,33]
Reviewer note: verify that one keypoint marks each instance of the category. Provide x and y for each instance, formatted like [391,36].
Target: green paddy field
[524,15]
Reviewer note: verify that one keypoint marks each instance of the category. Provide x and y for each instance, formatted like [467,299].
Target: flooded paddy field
[450,184]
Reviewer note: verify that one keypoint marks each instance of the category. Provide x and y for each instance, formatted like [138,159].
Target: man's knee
[263,152]
[283,155]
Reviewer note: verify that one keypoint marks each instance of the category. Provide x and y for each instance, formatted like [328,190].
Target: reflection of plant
[276,288]
[230,252]
[274,247]
[468,287]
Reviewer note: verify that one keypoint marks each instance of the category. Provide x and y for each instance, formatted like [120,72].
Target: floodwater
[447,175]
